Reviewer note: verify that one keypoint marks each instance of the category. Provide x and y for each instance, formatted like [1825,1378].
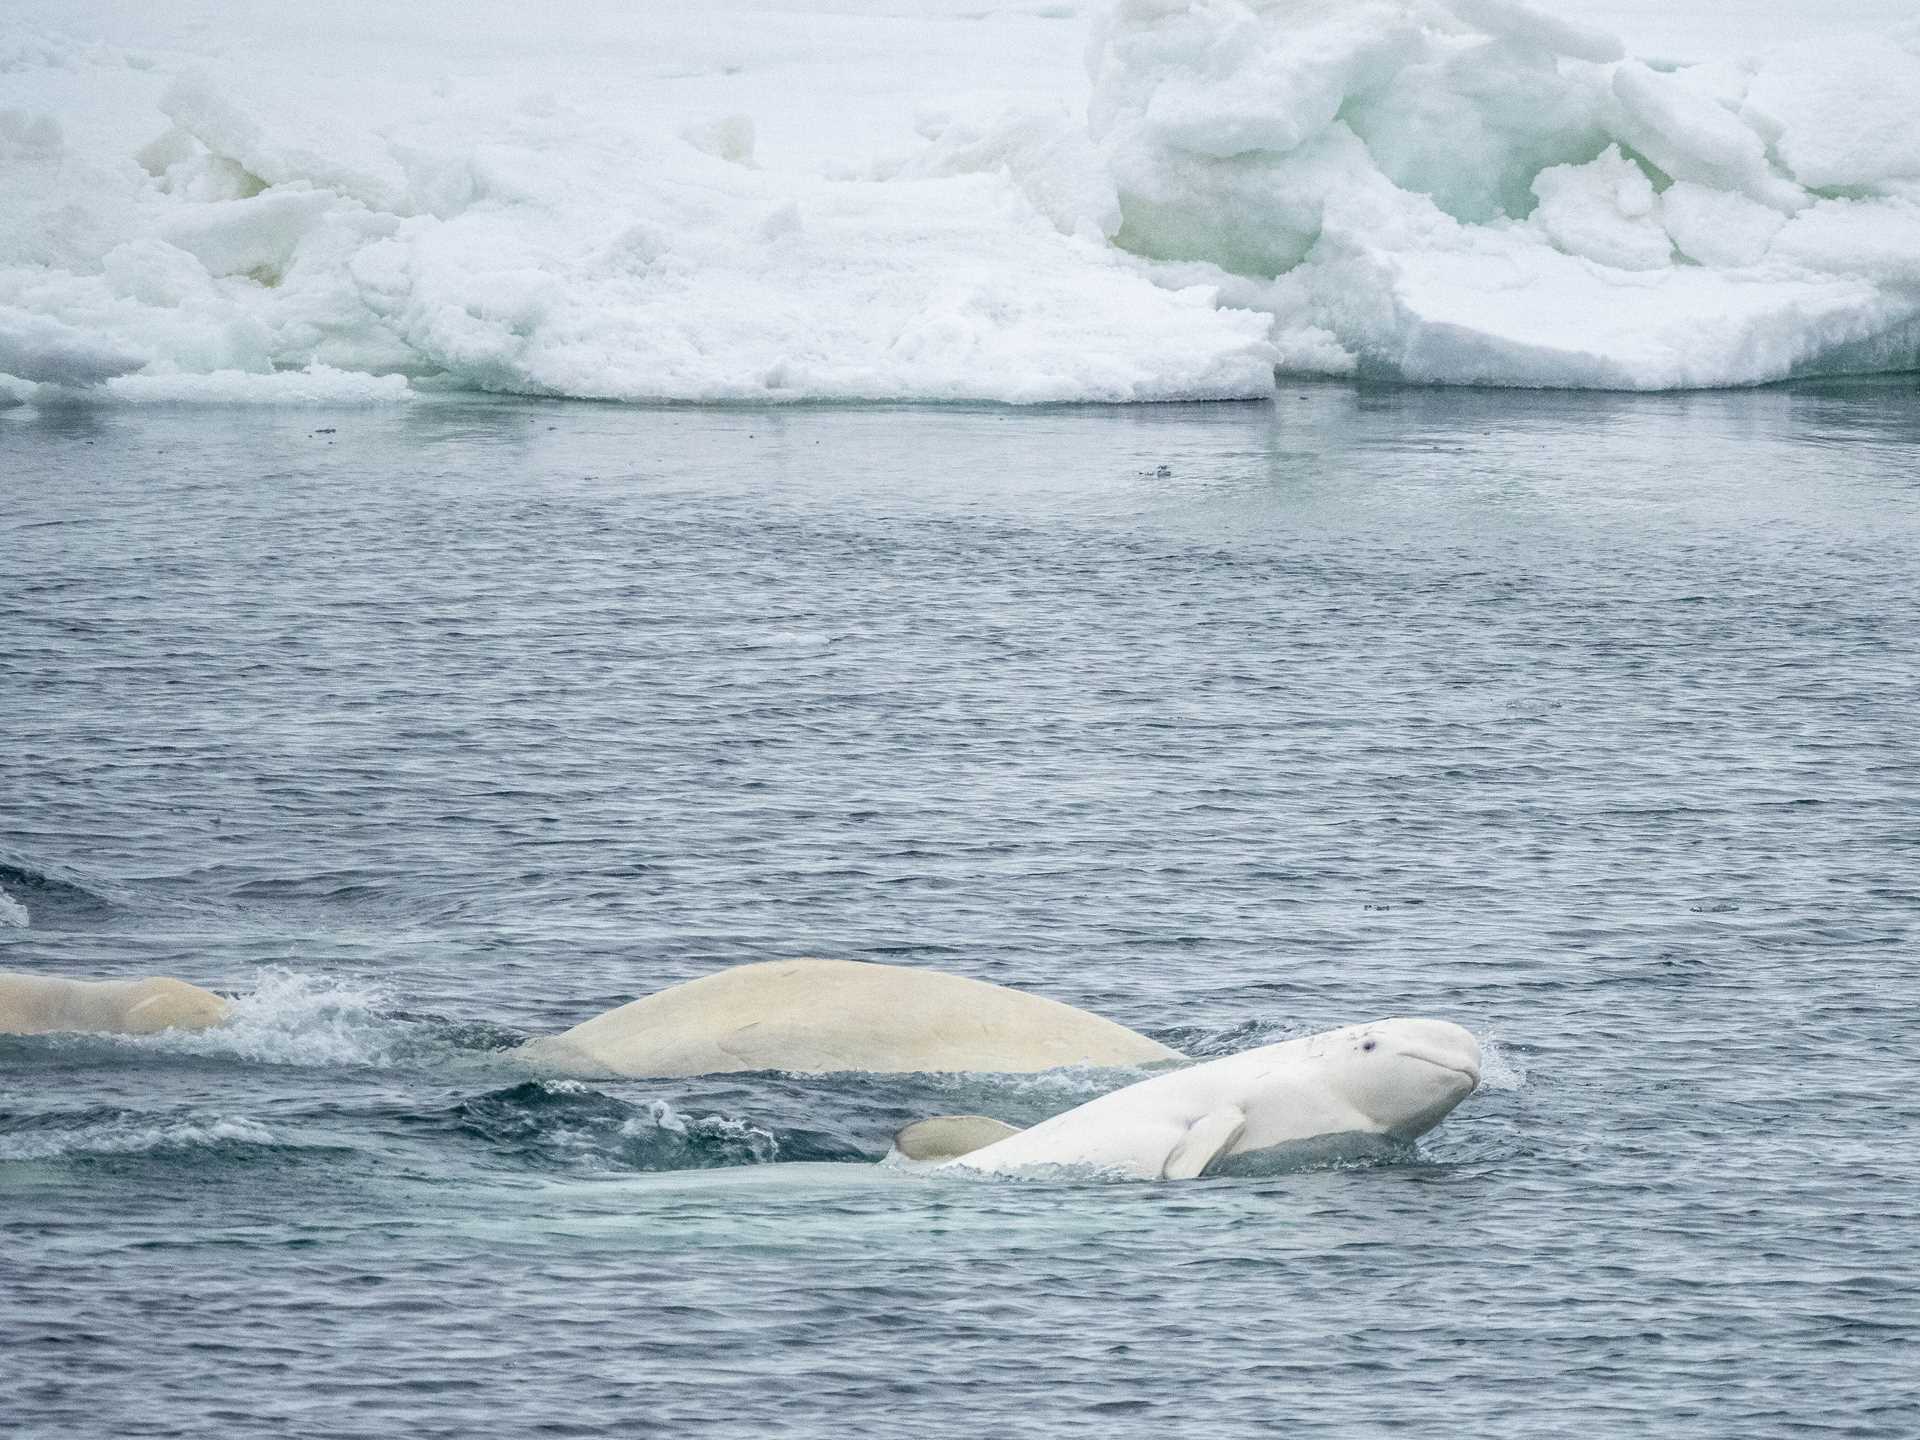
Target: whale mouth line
[1469,1072]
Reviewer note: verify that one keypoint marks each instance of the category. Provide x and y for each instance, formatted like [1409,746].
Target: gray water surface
[1586,721]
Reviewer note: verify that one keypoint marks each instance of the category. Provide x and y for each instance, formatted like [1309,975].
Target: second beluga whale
[1391,1079]
[819,1016]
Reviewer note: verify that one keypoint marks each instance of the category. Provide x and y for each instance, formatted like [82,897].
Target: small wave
[63,1137]
[721,1132]
[57,898]
[570,1124]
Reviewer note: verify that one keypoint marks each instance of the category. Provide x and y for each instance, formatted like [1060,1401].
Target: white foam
[1476,191]
[125,1135]
[293,1019]
[13,912]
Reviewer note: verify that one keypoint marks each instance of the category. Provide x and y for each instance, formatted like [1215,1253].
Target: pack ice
[1462,192]
[1482,193]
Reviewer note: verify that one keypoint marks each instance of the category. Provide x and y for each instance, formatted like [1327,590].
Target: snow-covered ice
[950,200]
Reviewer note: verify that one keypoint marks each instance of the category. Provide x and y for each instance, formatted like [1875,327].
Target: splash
[1498,1070]
[12,912]
[289,1018]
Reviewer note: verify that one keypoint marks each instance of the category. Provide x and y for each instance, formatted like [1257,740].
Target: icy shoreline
[1471,192]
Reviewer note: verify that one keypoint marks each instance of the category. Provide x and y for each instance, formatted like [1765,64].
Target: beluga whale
[1387,1079]
[821,1016]
[45,1004]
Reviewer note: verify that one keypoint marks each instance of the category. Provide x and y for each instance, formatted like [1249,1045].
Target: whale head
[1392,1078]
[1402,1076]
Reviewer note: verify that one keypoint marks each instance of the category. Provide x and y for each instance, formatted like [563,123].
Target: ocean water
[1585,720]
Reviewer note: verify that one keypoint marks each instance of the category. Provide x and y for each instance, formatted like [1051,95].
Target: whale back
[819,1016]
[46,1004]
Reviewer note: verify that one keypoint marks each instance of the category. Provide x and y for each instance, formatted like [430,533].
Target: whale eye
[1370,1044]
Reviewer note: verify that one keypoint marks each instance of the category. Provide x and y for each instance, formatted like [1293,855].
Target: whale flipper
[947,1137]
[1206,1140]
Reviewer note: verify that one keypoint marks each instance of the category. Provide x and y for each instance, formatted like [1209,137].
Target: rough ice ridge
[1478,193]
[1461,192]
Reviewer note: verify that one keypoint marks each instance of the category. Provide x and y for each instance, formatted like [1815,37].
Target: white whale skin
[822,1016]
[1394,1078]
[45,1004]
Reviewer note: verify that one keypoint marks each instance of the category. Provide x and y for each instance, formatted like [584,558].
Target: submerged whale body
[44,1004]
[1392,1079]
[818,1016]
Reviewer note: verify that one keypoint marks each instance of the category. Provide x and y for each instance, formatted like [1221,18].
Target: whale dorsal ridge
[947,1137]
[1205,1141]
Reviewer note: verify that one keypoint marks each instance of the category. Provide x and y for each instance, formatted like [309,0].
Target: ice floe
[1474,191]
